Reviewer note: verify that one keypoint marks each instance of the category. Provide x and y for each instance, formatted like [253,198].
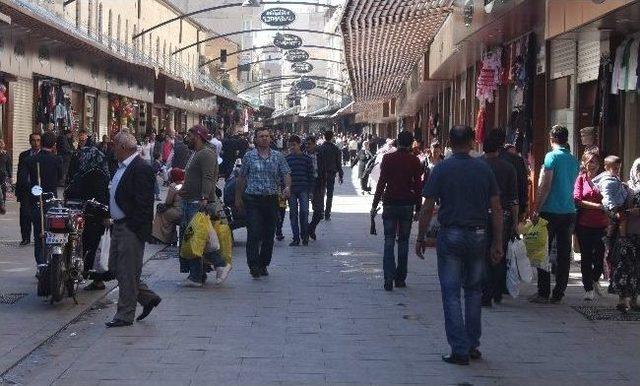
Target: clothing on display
[490,76]
[605,111]
[626,72]
[53,106]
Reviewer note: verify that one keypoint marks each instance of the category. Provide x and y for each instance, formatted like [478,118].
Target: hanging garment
[617,67]
[480,124]
[632,66]
[624,74]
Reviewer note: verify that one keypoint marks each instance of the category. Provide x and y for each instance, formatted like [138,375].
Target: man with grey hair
[131,207]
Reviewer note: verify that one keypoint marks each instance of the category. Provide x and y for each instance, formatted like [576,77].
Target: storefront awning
[384,40]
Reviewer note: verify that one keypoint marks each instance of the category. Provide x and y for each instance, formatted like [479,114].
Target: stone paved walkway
[322,318]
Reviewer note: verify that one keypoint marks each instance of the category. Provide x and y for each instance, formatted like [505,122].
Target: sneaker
[188,283]
[598,288]
[222,273]
[294,243]
[538,299]
[589,295]
[255,272]
[264,271]
[388,285]
[305,241]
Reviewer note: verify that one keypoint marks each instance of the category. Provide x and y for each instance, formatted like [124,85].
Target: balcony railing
[128,52]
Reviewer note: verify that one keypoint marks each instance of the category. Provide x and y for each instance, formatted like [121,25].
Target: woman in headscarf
[169,214]
[625,278]
[90,177]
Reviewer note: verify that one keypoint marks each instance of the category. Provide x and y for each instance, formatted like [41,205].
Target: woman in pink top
[591,225]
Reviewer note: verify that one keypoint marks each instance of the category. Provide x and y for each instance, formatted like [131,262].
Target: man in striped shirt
[302,179]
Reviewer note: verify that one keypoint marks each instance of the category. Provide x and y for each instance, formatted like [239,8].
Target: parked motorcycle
[63,224]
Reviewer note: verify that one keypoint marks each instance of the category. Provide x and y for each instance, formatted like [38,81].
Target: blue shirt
[114,209]
[565,169]
[301,166]
[464,186]
[264,175]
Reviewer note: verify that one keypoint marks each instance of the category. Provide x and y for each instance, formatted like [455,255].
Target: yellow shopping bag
[536,240]
[194,240]
[226,240]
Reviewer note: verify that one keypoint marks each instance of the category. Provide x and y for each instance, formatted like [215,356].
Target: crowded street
[321,317]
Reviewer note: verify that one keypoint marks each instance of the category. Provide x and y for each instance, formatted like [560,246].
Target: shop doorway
[586,102]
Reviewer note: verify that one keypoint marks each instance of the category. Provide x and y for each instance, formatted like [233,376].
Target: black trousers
[317,204]
[262,218]
[592,254]
[91,236]
[560,229]
[495,280]
[25,220]
[329,186]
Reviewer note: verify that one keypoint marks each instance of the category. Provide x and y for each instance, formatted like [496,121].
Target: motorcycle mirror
[36,190]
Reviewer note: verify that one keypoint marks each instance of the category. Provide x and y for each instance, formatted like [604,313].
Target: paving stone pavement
[322,318]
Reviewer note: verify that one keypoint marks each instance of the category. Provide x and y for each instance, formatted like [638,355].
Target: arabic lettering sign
[305,84]
[301,67]
[287,41]
[297,55]
[278,17]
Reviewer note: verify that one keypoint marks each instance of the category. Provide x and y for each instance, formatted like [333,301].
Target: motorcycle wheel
[56,279]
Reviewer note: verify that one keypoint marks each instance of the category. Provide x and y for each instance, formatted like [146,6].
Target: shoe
[94,287]
[146,310]
[475,354]
[327,218]
[305,241]
[400,284]
[598,288]
[188,283]
[279,237]
[117,323]
[264,272]
[222,273]
[24,242]
[486,303]
[555,300]
[388,285]
[255,272]
[538,299]
[312,236]
[455,359]
[589,295]
[294,243]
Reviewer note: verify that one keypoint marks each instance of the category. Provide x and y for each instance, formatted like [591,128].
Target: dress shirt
[114,209]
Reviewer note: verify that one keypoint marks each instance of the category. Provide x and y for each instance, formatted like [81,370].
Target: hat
[201,131]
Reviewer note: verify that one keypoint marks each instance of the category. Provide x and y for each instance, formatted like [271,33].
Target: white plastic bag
[522,260]
[101,261]
[213,242]
[513,277]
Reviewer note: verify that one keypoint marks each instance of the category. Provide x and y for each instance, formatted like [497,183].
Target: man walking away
[301,166]
[467,189]
[199,193]
[257,195]
[327,169]
[45,169]
[399,187]
[555,203]
[317,193]
[23,184]
[522,172]
[496,274]
[131,207]
[64,149]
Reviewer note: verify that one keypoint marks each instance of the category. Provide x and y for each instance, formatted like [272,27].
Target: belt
[466,228]
[120,221]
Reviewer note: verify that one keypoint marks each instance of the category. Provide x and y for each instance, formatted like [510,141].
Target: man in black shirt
[329,164]
[522,172]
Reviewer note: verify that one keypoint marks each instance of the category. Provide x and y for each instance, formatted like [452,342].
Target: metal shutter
[22,94]
[588,60]
[563,58]
[103,113]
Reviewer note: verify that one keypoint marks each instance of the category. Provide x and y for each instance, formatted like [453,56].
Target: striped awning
[385,39]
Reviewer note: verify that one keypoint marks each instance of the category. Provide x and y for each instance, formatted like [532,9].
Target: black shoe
[555,300]
[146,310]
[497,299]
[475,354]
[455,359]
[24,242]
[327,218]
[486,303]
[400,284]
[312,236]
[294,243]
[264,272]
[255,272]
[279,237]
[117,323]
[388,285]
[305,241]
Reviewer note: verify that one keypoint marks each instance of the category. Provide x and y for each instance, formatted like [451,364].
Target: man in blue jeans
[302,179]
[466,188]
[399,188]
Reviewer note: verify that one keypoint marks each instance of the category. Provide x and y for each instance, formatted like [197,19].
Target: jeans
[195,267]
[262,216]
[461,262]
[317,203]
[330,184]
[560,229]
[299,214]
[397,221]
[592,254]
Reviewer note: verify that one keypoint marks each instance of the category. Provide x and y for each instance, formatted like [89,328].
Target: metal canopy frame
[293,77]
[265,47]
[276,59]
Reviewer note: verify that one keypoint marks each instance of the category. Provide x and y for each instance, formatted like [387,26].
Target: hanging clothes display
[53,105]
[605,111]
[490,76]
[480,124]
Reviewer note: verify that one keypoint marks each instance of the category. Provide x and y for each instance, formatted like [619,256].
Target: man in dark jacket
[64,149]
[131,207]
[45,169]
[23,185]
[522,173]
[181,153]
[329,164]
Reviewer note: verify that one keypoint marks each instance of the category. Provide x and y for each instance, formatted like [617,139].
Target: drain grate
[605,313]
[11,298]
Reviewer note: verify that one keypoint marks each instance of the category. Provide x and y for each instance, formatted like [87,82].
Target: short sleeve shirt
[264,175]
[464,186]
[565,168]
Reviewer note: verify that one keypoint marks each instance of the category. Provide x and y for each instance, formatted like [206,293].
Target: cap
[201,131]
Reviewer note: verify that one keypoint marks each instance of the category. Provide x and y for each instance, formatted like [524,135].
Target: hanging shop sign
[287,41]
[297,55]
[305,84]
[301,67]
[278,17]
